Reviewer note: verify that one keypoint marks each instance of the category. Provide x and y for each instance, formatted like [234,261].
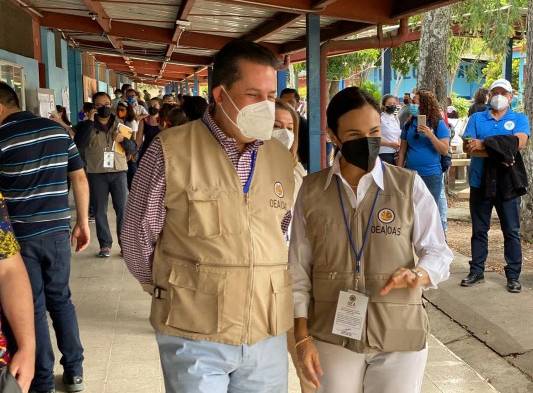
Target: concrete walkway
[121,354]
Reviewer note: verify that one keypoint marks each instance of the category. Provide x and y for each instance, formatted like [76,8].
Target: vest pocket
[204,219]
[196,301]
[282,307]
[396,327]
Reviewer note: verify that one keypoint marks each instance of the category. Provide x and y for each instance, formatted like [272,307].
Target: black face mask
[104,111]
[390,109]
[361,152]
[152,111]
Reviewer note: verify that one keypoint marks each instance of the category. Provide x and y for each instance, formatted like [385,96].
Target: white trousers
[346,371]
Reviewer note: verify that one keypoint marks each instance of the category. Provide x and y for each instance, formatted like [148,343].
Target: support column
[196,89]
[75,81]
[508,67]
[313,91]
[387,70]
[282,80]
[186,87]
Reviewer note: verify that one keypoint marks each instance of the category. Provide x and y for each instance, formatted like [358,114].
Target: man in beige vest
[360,324]
[204,234]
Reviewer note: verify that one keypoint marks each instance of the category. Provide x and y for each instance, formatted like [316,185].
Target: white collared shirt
[434,255]
[390,131]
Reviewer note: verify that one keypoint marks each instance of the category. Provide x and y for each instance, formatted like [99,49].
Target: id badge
[109,159]
[351,314]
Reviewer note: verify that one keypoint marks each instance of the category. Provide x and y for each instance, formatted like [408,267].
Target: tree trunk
[333,89]
[433,59]
[527,200]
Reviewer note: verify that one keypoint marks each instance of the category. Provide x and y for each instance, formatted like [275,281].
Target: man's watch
[418,273]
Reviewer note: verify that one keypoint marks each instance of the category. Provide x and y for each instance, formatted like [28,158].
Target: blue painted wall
[75,82]
[462,87]
[31,77]
[56,77]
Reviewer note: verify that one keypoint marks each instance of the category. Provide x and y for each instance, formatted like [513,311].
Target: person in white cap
[486,130]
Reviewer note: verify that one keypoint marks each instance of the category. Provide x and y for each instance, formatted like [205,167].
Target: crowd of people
[247,256]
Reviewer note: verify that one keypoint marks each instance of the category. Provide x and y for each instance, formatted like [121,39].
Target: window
[12,75]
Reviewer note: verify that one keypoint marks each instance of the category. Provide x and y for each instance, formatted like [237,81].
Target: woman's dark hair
[130,113]
[163,112]
[385,98]
[481,96]
[429,106]
[87,107]
[176,117]
[194,107]
[226,62]
[345,101]
[63,111]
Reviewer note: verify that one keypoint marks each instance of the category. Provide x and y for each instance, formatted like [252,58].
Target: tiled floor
[120,350]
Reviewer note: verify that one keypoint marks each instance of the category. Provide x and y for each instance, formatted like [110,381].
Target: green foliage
[494,70]
[372,89]
[342,67]
[404,57]
[461,104]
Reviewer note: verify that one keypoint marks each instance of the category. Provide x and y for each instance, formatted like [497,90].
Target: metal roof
[167,32]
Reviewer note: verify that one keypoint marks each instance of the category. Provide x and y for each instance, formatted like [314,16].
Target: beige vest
[396,322]
[221,259]
[100,142]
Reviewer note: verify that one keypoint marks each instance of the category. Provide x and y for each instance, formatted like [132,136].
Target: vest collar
[364,184]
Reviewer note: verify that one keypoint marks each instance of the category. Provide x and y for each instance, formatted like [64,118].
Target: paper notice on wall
[46,102]
[66,101]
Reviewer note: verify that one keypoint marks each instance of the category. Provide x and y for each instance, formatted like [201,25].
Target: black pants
[389,158]
[103,184]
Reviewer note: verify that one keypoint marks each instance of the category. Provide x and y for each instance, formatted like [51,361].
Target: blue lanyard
[251,174]
[358,255]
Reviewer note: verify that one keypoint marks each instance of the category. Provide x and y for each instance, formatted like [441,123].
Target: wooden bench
[458,170]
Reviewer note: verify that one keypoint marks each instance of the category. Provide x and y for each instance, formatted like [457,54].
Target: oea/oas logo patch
[386,216]
[278,190]
[509,125]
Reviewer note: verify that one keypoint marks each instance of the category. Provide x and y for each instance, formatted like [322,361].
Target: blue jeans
[509,215]
[443,206]
[209,367]
[47,260]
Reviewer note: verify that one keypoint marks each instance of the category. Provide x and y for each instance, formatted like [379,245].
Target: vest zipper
[252,270]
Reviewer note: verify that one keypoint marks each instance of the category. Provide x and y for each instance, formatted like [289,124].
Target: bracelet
[306,338]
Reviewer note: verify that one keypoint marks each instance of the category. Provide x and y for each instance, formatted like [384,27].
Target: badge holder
[109,157]
[352,305]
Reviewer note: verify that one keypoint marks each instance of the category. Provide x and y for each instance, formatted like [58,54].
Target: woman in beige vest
[360,325]
[287,121]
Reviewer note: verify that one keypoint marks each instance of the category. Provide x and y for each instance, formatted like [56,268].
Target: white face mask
[254,121]
[285,136]
[499,102]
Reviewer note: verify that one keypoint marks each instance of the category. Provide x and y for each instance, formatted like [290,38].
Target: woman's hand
[309,358]
[425,130]
[405,278]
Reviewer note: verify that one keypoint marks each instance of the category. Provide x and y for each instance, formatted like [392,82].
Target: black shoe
[514,286]
[73,383]
[43,391]
[473,278]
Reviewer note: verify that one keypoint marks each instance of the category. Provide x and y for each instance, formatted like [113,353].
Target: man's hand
[22,367]
[91,114]
[119,138]
[81,236]
[474,145]
[309,358]
[405,278]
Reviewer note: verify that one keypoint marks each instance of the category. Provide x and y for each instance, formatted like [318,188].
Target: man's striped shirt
[36,155]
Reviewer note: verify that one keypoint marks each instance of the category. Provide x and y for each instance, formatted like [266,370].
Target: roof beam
[136,32]
[271,26]
[401,9]
[105,23]
[370,11]
[335,30]
[183,14]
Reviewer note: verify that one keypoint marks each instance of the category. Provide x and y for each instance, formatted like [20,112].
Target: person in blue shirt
[422,145]
[500,119]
